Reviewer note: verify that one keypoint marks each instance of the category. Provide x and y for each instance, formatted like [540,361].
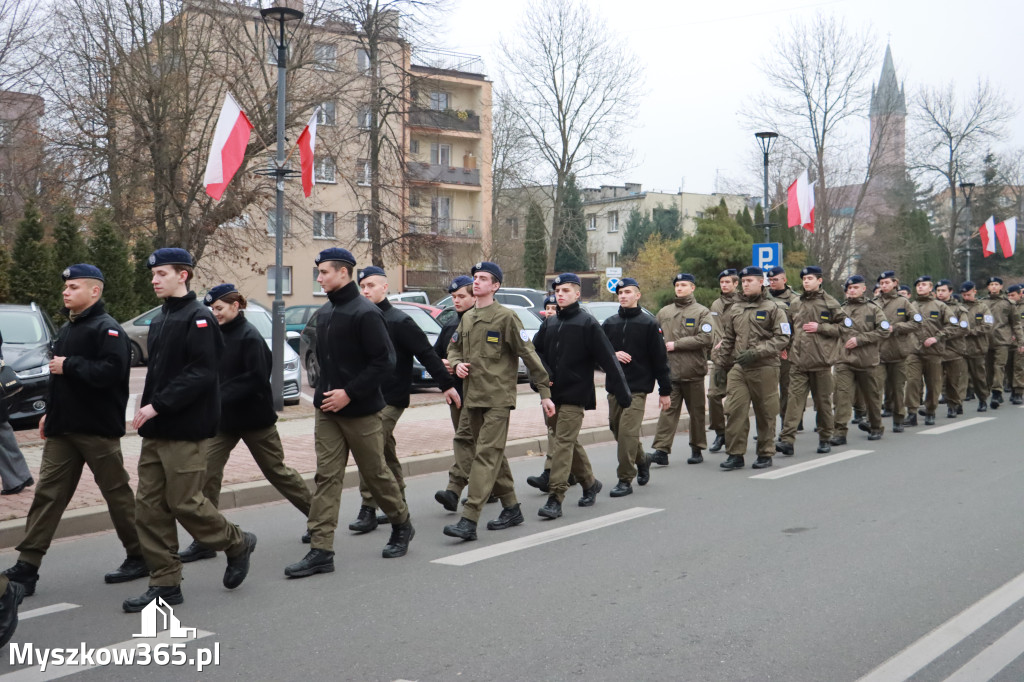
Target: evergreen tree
[744,218]
[638,229]
[572,247]
[108,252]
[69,248]
[143,276]
[719,242]
[5,270]
[535,247]
[32,272]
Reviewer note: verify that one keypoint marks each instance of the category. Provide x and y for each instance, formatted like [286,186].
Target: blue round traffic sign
[612,283]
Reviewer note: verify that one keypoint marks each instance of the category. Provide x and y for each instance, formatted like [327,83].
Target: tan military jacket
[865,321]
[813,352]
[956,340]
[1006,323]
[688,325]
[719,307]
[756,324]
[979,330]
[936,321]
[901,315]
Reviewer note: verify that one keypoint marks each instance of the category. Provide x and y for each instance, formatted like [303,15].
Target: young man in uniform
[1006,335]
[83,425]
[754,332]
[180,408]
[925,363]
[639,347]
[727,283]
[979,330]
[356,355]
[1014,293]
[953,364]
[571,344]
[779,289]
[687,327]
[409,341]
[814,317]
[485,352]
[861,332]
[550,306]
[894,349]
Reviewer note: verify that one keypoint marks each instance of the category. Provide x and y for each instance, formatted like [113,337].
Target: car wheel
[136,354]
[312,371]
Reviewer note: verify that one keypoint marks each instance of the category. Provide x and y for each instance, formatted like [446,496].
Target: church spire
[887,97]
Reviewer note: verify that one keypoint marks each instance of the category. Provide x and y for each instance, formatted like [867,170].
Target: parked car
[295,318]
[421,315]
[137,329]
[410,297]
[28,347]
[510,296]
[602,310]
[531,324]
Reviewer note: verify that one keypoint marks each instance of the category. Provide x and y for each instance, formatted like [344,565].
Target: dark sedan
[28,346]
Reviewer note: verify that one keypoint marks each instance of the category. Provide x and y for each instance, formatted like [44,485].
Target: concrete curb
[96,519]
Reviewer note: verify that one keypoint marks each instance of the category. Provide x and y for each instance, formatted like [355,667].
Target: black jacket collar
[347,293]
[175,303]
[569,311]
[629,312]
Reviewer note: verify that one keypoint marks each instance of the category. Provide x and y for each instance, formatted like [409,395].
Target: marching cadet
[862,331]
[550,306]
[639,346]
[485,352]
[83,425]
[687,327]
[754,332]
[978,333]
[815,317]
[180,409]
[925,363]
[904,291]
[953,363]
[895,348]
[461,291]
[11,594]
[1013,292]
[728,280]
[1006,332]
[356,356]
[408,341]
[779,289]
[246,410]
[571,344]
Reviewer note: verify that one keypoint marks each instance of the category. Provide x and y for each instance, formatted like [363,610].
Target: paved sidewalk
[424,436]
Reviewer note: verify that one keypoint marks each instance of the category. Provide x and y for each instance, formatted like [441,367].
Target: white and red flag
[1006,234]
[988,237]
[800,203]
[307,144]
[228,148]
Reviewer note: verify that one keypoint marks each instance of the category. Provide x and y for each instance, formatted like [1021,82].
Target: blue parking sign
[767,255]
[612,283]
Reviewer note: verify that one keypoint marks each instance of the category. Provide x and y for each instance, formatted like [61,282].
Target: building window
[363,227]
[613,221]
[439,101]
[325,56]
[272,50]
[441,154]
[272,220]
[324,170]
[700,214]
[363,62]
[613,257]
[323,224]
[325,114]
[414,146]
[513,226]
[592,221]
[414,199]
[6,132]
[286,279]
[364,117]
[317,289]
[363,172]
[593,261]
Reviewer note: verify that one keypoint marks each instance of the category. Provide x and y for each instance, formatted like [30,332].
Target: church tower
[888,125]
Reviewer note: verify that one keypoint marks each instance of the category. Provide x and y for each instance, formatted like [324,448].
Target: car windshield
[22,327]
[260,318]
[529,320]
[422,318]
[601,310]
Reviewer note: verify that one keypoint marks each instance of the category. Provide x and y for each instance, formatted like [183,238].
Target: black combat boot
[929,420]
[541,482]
[858,417]
[9,602]
[951,412]
[696,456]
[824,447]
[621,489]
[398,543]
[464,529]
[509,516]
[315,561]
[784,448]
[763,462]
[448,499]
[171,594]
[643,470]
[238,565]
[982,406]
[195,552]
[132,568]
[25,574]
[365,521]
[837,441]
[1016,398]
[733,462]
[552,509]
[659,457]
[911,420]
[718,444]
[590,494]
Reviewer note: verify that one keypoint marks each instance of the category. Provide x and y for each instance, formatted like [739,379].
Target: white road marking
[814,464]
[33,674]
[908,662]
[307,397]
[993,659]
[46,610]
[129,410]
[939,430]
[472,556]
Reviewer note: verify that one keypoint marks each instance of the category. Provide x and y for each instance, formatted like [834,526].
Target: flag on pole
[800,203]
[988,237]
[1006,233]
[307,143]
[228,149]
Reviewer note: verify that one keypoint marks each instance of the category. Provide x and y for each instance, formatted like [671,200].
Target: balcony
[449,175]
[447,119]
[445,227]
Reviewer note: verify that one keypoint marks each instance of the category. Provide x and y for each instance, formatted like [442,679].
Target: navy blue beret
[751,271]
[776,270]
[369,271]
[888,274]
[170,256]
[994,278]
[567,278]
[487,266]
[966,286]
[728,272]
[811,270]
[219,292]
[626,282]
[459,282]
[904,287]
[685,277]
[944,283]
[1013,288]
[550,300]
[82,271]
[335,253]
[854,279]
[922,278]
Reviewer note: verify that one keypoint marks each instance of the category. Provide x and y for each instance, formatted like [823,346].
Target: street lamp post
[967,188]
[282,16]
[766,140]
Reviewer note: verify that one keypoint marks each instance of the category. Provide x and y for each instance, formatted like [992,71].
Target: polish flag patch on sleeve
[112,332]
[201,323]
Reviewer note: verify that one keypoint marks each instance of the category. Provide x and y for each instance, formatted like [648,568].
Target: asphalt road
[910,551]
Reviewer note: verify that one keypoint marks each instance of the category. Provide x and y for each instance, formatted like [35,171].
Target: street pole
[968,188]
[765,140]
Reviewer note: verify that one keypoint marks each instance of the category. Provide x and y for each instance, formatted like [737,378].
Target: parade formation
[765,345]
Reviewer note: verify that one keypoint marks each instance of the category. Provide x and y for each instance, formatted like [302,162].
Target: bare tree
[951,137]
[575,89]
[512,169]
[19,31]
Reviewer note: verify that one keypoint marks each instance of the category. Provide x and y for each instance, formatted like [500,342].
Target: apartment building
[21,153]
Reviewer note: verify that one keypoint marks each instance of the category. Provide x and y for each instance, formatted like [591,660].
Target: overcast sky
[702,60]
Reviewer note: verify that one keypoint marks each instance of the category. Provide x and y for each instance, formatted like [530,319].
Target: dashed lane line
[807,466]
[47,610]
[939,430]
[993,659]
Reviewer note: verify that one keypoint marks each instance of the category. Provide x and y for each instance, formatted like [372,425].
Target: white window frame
[592,222]
[437,98]
[364,117]
[272,216]
[438,152]
[414,146]
[325,170]
[613,258]
[593,261]
[364,172]
[363,62]
[363,227]
[326,115]
[286,283]
[613,221]
[325,56]
[324,223]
